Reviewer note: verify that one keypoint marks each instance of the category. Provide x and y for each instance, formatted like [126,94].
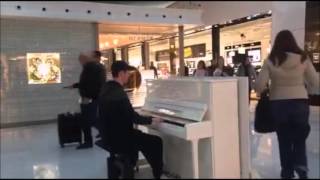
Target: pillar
[145,55]
[124,54]
[172,48]
[181,51]
[215,42]
[97,41]
[290,16]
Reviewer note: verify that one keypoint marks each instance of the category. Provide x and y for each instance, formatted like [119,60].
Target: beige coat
[289,80]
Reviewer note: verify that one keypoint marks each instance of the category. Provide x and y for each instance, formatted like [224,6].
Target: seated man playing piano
[117,117]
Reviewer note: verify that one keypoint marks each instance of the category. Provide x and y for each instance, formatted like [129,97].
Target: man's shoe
[85,146]
[302,172]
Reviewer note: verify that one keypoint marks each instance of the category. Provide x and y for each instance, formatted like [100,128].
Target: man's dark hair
[97,54]
[118,66]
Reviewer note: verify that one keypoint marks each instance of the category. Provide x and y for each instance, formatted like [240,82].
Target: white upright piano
[206,125]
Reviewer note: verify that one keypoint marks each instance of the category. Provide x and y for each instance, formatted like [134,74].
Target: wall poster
[43,68]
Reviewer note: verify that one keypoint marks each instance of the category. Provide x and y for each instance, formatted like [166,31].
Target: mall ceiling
[159,4]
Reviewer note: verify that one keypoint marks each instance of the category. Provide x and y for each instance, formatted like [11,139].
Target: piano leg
[195,158]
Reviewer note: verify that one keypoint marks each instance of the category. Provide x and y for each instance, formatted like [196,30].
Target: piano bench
[119,165]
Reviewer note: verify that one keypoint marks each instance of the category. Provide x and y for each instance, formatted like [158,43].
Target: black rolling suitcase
[69,130]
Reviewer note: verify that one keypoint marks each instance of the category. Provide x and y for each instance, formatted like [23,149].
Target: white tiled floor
[34,152]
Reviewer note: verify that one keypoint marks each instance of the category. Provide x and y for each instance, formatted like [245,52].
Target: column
[181,51]
[290,16]
[96,31]
[113,55]
[145,55]
[215,42]
[172,48]
[124,54]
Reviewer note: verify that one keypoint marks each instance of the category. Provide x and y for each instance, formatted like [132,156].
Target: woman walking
[289,70]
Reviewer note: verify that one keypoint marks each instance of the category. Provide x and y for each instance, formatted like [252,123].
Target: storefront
[250,38]
[197,46]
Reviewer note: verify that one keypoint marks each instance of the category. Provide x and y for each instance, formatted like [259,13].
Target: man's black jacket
[117,117]
[92,78]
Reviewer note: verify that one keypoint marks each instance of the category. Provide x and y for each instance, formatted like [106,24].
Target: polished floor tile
[34,152]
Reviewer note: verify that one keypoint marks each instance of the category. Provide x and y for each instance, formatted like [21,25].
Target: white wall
[21,102]
[291,16]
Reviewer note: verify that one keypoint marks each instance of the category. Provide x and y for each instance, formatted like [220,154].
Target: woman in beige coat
[290,71]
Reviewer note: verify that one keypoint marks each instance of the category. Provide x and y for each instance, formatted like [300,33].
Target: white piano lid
[193,111]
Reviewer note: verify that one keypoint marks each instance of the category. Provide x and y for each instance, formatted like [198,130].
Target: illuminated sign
[43,68]
[187,52]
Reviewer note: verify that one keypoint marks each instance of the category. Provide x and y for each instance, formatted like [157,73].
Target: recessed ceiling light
[115,41]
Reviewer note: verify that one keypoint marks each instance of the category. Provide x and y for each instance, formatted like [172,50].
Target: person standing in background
[246,69]
[92,77]
[155,71]
[186,70]
[220,68]
[212,67]
[201,70]
[289,68]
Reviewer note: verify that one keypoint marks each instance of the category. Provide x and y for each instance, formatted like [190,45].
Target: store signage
[43,68]
[193,51]
[140,37]
[243,45]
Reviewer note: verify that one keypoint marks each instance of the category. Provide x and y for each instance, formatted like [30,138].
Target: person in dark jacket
[246,69]
[92,78]
[155,71]
[186,70]
[117,117]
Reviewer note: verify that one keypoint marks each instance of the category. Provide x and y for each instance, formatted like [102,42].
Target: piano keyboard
[167,119]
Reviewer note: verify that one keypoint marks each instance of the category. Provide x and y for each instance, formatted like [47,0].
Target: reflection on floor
[34,152]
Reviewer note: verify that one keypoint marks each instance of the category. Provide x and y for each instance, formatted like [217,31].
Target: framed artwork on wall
[43,68]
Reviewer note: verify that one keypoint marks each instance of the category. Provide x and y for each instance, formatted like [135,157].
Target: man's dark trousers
[88,118]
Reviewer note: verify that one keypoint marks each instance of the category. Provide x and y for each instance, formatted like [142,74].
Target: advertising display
[43,68]
[254,54]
